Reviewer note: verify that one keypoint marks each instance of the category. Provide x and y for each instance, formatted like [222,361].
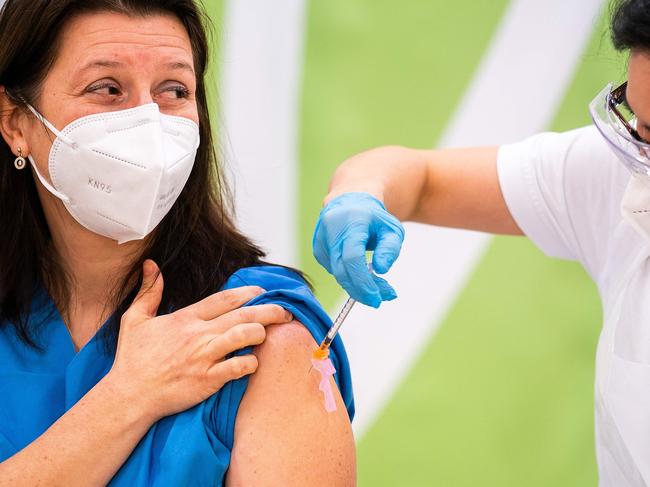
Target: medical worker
[125,352]
[582,195]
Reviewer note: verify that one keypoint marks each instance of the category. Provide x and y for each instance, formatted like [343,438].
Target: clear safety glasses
[617,124]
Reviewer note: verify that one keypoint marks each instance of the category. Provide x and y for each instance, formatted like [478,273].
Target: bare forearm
[395,175]
[86,446]
[450,187]
[462,190]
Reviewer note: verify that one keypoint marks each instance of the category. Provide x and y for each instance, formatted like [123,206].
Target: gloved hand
[347,227]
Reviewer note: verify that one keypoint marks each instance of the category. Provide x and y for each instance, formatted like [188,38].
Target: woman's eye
[176,91]
[105,89]
[180,91]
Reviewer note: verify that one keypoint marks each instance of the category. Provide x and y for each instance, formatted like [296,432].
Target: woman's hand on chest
[173,362]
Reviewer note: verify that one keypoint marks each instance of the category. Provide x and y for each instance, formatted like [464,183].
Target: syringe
[322,352]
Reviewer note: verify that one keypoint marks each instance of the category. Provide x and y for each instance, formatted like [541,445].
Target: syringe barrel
[340,319]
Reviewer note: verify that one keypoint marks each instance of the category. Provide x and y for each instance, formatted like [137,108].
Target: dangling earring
[20,163]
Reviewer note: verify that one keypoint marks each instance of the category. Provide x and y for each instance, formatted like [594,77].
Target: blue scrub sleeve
[287,289]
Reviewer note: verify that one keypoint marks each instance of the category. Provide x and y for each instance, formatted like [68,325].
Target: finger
[389,245]
[146,303]
[236,338]
[343,278]
[364,293]
[386,291]
[265,314]
[232,369]
[337,267]
[363,287]
[320,246]
[222,302]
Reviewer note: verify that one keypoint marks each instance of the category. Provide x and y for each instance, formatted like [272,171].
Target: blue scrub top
[190,448]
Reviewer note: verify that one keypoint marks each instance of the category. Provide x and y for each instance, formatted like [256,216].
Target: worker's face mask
[119,173]
[635,206]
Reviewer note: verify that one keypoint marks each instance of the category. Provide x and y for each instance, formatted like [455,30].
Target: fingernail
[147,269]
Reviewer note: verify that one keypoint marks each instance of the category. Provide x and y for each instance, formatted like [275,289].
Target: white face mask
[119,173]
[635,205]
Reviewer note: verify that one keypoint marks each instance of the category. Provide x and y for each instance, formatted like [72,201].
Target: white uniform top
[564,191]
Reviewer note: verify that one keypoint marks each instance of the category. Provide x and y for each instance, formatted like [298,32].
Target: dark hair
[196,246]
[631,24]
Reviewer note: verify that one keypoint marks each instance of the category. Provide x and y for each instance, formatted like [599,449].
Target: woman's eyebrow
[180,65]
[176,65]
[101,64]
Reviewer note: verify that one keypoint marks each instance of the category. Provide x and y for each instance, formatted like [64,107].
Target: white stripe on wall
[515,93]
[261,70]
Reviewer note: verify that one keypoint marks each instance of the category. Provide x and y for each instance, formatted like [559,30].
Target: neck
[93,264]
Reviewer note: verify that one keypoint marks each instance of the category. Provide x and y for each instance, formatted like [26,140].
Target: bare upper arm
[463,191]
[283,435]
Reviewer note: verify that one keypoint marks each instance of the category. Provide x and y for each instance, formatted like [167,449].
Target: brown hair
[196,246]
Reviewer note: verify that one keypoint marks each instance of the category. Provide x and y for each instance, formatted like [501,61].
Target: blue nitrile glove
[347,227]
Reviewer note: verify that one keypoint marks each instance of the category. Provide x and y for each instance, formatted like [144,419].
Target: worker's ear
[13,121]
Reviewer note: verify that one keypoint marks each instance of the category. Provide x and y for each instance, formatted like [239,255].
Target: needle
[338,323]
[323,351]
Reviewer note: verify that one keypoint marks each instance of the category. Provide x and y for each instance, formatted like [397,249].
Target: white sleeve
[564,192]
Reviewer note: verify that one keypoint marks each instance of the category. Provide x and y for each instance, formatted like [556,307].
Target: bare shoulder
[293,340]
[283,435]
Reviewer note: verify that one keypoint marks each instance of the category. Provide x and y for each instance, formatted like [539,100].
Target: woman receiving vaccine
[132,311]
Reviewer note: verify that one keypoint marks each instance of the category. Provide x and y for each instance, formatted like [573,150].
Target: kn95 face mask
[635,205]
[119,173]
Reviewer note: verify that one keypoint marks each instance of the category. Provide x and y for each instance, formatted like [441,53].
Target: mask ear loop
[52,128]
[65,139]
[47,185]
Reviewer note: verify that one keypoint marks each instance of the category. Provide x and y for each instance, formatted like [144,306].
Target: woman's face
[638,90]
[108,62]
